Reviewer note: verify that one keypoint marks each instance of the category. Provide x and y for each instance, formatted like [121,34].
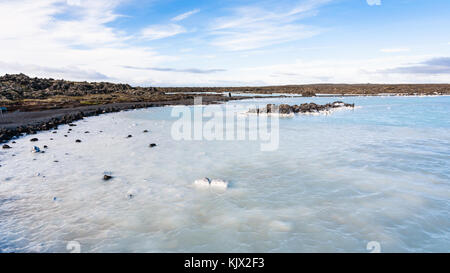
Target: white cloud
[374,2]
[372,70]
[74,2]
[58,72]
[263,35]
[185,15]
[75,40]
[394,50]
[253,27]
[155,32]
[35,41]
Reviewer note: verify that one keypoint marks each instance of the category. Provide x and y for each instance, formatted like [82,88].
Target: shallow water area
[379,172]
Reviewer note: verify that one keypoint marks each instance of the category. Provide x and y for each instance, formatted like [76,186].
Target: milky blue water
[379,172]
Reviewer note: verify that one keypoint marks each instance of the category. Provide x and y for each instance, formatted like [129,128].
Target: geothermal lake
[379,172]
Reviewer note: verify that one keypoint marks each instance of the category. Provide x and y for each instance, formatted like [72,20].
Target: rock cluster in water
[302,108]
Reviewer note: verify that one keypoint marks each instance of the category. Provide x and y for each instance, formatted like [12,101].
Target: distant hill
[311,89]
[15,87]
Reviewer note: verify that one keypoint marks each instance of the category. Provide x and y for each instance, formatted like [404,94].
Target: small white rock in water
[203,183]
[215,184]
[340,104]
[219,184]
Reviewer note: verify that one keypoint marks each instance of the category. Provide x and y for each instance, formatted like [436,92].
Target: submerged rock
[6,146]
[131,194]
[34,139]
[78,141]
[152,145]
[202,183]
[217,185]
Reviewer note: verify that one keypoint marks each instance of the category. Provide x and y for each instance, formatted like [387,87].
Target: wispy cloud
[161,31]
[185,15]
[93,40]
[185,70]
[432,66]
[374,2]
[394,50]
[74,2]
[57,72]
[252,27]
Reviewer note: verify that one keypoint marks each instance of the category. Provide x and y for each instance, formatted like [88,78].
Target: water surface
[380,172]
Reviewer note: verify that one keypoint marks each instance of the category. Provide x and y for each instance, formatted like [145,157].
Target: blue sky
[228,42]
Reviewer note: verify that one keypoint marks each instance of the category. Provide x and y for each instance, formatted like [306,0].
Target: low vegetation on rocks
[20,92]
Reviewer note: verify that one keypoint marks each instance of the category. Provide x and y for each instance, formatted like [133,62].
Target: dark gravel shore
[14,124]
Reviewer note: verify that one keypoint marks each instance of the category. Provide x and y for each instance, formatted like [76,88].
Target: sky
[227,42]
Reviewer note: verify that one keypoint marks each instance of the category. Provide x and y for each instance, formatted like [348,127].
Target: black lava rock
[107,177]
